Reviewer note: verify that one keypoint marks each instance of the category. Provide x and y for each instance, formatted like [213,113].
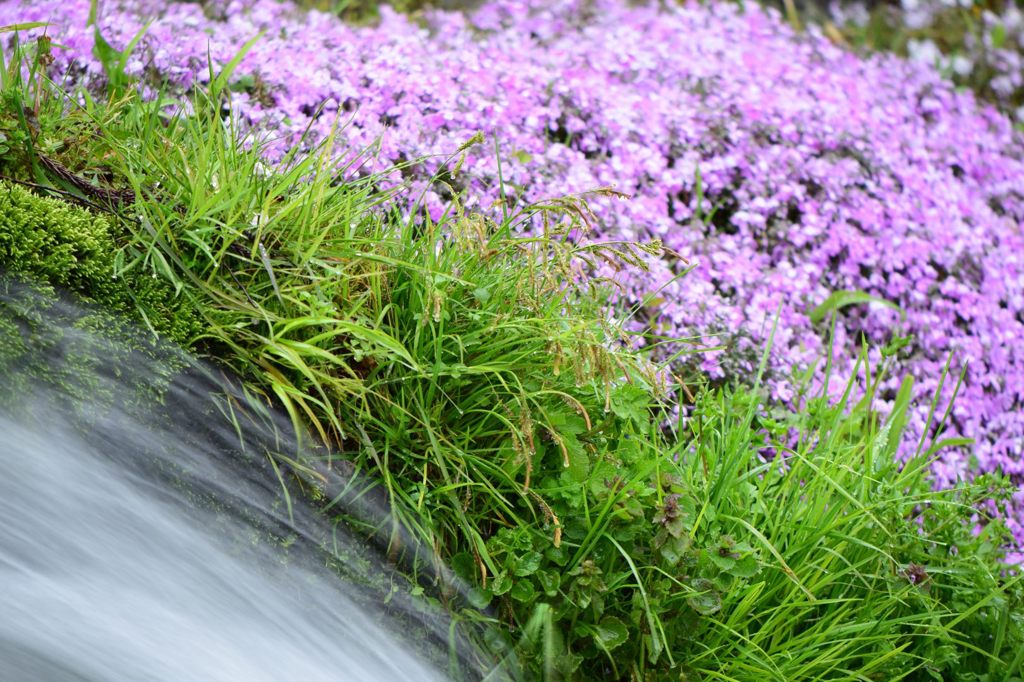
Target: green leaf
[221,81]
[897,420]
[377,338]
[566,421]
[564,425]
[523,591]
[527,564]
[549,582]
[706,601]
[244,84]
[674,548]
[464,565]
[630,402]
[579,460]
[501,584]
[723,581]
[610,633]
[26,26]
[629,450]
[724,561]
[842,299]
[479,597]
[265,259]
[747,567]
[106,54]
[126,53]
[557,555]
[897,344]
[114,61]
[654,647]
[948,443]
[603,473]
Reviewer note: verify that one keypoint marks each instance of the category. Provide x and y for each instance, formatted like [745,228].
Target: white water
[134,550]
[102,580]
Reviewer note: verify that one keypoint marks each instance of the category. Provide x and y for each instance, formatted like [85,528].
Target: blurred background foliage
[978,44]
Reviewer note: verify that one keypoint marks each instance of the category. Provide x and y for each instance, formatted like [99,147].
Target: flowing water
[141,543]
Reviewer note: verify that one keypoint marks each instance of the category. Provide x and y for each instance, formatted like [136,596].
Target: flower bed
[785,167]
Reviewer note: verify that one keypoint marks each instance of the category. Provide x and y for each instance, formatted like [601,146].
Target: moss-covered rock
[55,244]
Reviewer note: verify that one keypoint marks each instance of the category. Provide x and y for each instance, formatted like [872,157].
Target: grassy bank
[605,530]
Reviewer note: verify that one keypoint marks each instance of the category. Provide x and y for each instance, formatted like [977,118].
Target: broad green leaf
[464,565]
[565,425]
[610,633]
[579,460]
[527,564]
[549,582]
[631,402]
[706,601]
[674,548]
[479,597]
[747,567]
[523,591]
[501,584]
[724,561]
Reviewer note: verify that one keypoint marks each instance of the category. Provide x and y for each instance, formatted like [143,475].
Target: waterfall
[148,533]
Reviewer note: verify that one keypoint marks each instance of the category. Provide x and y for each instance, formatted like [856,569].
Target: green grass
[475,371]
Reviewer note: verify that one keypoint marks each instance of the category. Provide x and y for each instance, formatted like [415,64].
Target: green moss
[55,244]
[13,353]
